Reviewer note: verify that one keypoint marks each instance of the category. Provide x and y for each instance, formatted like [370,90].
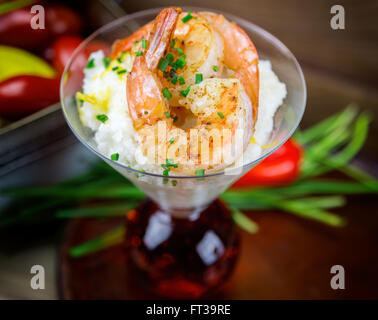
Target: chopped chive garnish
[114,156]
[174,80]
[199,78]
[180,51]
[121,71]
[164,166]
[166,93]
[171,140]
[174,183]
[106,61]
[220,114]
[139,53]
[200,172]
[175,119]
[144,43]
[166,172]
[170,163]
[215,68]
[185,92]
[181,80]
[90,64]
[180,62]
[169,57]
[173,43]
[163,64]
[102,117]
[115,68]
[187,17]
[119,59]
[167,114]
[146,112]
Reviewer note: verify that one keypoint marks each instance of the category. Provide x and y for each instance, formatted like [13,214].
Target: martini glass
[181,241]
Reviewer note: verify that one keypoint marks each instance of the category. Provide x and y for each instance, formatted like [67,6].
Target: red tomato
[62,20]
[64,47]
[23,95]
[15,29]
[281,167]
[62,50]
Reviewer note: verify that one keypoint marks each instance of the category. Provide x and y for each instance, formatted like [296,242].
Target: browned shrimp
[144,92]
[240,55]
[127,43]
[220,107]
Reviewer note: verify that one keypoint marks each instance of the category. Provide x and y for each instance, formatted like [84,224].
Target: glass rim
[232,17]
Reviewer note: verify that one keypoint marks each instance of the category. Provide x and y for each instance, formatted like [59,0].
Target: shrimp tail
[127,43]
[160,36]
[167,19]
[144,93]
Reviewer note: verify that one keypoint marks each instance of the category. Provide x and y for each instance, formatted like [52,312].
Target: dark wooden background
[340,66]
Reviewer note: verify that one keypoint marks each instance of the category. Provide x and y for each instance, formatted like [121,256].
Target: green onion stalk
[101,192]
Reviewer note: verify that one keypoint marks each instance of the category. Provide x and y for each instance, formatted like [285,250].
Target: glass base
[179,257]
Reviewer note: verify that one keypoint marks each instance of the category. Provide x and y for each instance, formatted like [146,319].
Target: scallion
[180,51]
[167,94]
[102,117]
[163,64]
[200,172]
[114,156]
[185,92]
[90,64]
[181,80]
[187,17]
[106,61]
[199,78]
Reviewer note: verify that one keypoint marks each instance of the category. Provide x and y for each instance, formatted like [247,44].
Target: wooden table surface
[289,258]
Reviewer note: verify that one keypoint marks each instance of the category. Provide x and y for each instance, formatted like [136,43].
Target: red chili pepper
[23,95]
[281,167]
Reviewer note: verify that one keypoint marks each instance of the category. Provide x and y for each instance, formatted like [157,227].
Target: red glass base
[182,257]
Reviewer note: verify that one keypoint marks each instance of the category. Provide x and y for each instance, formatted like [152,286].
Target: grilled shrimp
[210,114]
[240,55]
[212,46]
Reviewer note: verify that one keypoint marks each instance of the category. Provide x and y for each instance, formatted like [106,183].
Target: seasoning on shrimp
[191,77]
